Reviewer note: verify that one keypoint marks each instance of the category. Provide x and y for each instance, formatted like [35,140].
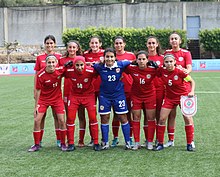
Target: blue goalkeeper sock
[105,131]
[126,131]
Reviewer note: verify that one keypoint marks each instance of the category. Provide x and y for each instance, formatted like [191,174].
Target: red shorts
[57,106]
[128,99]
[159,98]
[170,104]
[140,103]
[88,102]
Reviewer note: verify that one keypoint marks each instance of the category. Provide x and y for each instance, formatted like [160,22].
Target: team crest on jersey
[148,76]
[102,107]
[158,63]
[117,70]
[175,77]
[86,80]
[180,58]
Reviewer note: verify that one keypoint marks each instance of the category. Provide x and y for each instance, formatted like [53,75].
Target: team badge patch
[180,58]
[102,107]
[158,63]
[175,77]
[148,76]
[117,70]
[188,105]
[86,80]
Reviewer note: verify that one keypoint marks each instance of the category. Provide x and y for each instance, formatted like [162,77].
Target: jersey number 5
[170,82]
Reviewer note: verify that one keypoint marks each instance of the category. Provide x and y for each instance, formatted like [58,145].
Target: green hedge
[135,38]
[210,39]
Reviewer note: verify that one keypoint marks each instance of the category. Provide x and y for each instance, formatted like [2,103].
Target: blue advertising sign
[22,68]
[206,65]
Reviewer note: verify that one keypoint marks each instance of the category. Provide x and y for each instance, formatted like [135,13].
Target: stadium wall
[29,25]
[28,68]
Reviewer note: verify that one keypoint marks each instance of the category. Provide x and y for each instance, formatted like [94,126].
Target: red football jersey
[81,84]
[41,62]
[158,83]
[142,86]
[174,82]
[50,85]
[126,78]
[183,57]
[95,57]
[67,82]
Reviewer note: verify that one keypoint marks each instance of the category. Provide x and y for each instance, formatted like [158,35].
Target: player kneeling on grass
[173,79]
[48,93]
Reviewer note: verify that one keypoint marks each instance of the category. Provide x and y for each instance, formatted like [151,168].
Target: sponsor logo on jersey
[175,77]
[86,80]
[43,61]
[47,81]
[90,58]
[135,74]
[148,76]
[105,71]
[117,70]
[165,75]
[180,59]
[73,79]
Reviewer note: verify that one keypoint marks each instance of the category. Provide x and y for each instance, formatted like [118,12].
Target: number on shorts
[121,103]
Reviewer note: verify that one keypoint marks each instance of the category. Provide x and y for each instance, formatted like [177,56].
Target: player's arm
[35,79]
[36,102]
[188,78]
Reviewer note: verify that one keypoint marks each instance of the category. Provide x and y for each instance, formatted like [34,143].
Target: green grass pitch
[16,125]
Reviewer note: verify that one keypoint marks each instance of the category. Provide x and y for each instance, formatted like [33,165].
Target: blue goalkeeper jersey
[111,85]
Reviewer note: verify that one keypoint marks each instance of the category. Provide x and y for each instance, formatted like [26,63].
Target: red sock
[115,128]
[70,133]
[189,133]
[171,131]
[146,131]
[161,131]
[131,128]
[63,136]
[151,130]
[81,135]
[95,132]
[136,131]
[37,135]
[41,134]
[58,134]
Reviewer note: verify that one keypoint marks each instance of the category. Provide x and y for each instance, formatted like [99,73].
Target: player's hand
[35,112]
[191,94]
[68,64]
[152,64]
[183,69]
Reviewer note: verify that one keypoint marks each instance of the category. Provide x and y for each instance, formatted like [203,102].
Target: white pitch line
[206,77]
[213,92]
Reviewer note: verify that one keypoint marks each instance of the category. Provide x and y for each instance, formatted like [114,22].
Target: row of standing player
[183,58]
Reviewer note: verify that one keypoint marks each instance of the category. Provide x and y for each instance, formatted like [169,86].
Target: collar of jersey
[111,67]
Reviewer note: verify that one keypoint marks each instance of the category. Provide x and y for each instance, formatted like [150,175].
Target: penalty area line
[212,92]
